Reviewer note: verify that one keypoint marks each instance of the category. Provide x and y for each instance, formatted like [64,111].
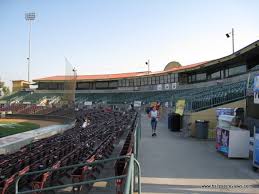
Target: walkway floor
[173,164]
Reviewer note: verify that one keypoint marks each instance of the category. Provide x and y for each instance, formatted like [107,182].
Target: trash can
[202,128]
[176,122]
[170,116]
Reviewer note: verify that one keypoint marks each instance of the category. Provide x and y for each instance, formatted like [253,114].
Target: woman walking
[153,115]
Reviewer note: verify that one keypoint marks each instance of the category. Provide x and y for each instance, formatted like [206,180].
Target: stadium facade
[172,77]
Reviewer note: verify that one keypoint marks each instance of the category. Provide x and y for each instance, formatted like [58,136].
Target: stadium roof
[118,75]
[92,77]
[145,73]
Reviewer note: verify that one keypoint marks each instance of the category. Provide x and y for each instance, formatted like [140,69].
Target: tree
[5,89]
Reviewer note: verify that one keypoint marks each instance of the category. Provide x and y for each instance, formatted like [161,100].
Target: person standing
[153,115]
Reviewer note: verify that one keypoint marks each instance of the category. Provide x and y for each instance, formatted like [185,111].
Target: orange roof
[119,75]
[92,77]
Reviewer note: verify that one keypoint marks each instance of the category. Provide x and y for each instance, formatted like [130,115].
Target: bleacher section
[16,96]
[26,109]
[33,97]
[73,146]
[198,98]
[216,95]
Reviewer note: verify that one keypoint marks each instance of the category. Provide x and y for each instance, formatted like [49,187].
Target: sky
[114,36]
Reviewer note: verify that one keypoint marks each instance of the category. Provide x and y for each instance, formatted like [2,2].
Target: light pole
[148,66]
[74,86]
[75,73]
[233,40]
[30,16]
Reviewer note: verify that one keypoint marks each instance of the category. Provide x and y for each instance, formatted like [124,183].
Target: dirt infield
[39,122]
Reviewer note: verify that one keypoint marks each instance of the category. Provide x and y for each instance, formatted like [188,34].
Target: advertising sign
[166,86]
[218,138]
[88,103]
[137,103]
[180,105]
[256,148]
[256,97]
[222,140]
[173,86]
[159,87]
[256,83]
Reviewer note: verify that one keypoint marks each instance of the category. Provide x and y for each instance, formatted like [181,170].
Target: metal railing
[216,96]
[133,170]
[129,183]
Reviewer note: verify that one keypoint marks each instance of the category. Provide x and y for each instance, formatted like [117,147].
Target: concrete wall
[210,114]
[13,143]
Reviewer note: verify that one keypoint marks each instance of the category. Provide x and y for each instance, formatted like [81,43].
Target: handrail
[72,184]
[129,178]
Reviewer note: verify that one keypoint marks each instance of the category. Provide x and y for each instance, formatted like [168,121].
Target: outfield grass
[11,128]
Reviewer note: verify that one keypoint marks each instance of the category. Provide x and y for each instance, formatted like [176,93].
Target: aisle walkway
[174,164]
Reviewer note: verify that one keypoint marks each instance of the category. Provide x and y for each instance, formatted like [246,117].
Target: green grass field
[11,127]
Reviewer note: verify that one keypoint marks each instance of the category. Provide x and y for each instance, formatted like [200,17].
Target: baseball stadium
[88,133]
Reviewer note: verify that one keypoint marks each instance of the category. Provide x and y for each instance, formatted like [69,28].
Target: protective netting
[69,83]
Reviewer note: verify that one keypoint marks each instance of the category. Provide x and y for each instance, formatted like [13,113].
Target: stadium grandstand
[202,85]
[102,142]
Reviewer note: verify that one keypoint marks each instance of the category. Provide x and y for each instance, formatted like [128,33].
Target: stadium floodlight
[75,72]
[228,36]
[30,16]
[148,66]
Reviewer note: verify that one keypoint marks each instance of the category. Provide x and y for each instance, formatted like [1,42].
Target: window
[215,75]
[43,86]
[153,80]
[145,81]
[149,80]
[162,79]
[194,78]
[101,84]
[189,78]
[52,86]
[83,85]
[60,86]
[123,83]
[120,83]
[113,84]
[131,82]
[222,74]
[236,70]
[176,77]
[200,76]
[157,79]
[172,78]
[127,83]
[142,81]
[137,82]
[165,79]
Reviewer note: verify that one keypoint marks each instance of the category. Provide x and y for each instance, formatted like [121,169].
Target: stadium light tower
[233,40]
[148,66]
[30,16]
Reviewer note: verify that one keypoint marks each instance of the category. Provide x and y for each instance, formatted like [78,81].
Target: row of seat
[17,108]
[121,166]
[216,96]
[73,146]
